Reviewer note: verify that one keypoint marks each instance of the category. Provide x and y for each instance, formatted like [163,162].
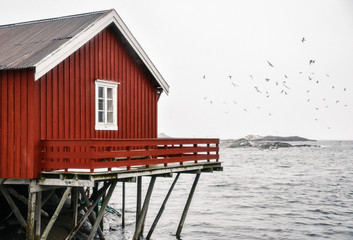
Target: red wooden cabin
[80,92]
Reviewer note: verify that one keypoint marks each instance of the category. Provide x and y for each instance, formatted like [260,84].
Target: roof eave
[72,45]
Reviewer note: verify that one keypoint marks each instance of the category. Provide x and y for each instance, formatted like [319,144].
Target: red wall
[18,125]
[61,104]
[67,103]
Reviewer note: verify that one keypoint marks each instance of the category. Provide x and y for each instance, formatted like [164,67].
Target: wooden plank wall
[67,93]
[61,105]
[17,124]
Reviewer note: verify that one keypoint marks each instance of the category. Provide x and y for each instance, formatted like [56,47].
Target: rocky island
[269,142]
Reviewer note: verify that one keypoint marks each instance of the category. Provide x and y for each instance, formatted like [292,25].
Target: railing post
[195,153]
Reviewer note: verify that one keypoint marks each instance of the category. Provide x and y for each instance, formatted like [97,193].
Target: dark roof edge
[54,19]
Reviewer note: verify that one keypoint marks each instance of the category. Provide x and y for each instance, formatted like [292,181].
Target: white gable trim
[72,45]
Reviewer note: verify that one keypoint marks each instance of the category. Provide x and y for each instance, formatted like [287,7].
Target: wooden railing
[109,154]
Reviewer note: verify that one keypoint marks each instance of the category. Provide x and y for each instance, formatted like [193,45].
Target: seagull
[270,64]
[235,85]
[257,89]
[303,40]
[285,86]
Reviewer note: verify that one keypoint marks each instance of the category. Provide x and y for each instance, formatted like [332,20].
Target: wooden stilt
[101,212]
[31,215]
[138,198]
[38,214]
[142,215]
[75,205]
[123,207]
[186,209]
[56,214]
[89,211]
[91,216]
[162,207]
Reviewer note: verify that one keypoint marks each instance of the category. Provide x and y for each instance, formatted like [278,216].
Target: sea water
[285,193]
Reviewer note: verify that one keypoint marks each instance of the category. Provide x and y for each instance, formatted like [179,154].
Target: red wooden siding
[67,93]
[61,104]
[18,125]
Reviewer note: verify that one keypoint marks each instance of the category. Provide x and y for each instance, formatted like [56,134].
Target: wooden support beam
[161,210]
[91,216]
[123,207]
[56,214]
[187,205]
[91,208]
[13,206]
[38,214]
[101,211]
[74,197]
[31,212]
[138,198]
[142,215]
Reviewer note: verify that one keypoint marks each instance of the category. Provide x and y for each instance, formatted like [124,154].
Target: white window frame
[105,125]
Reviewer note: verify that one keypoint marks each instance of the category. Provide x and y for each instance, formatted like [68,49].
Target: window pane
[110,105]
[100,104]
[101,117]
[101,92]
[110,117]
[110,93]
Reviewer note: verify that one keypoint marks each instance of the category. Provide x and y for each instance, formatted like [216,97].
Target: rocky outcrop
[242,142]
[274,145]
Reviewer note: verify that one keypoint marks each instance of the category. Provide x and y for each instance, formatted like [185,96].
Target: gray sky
[188,40]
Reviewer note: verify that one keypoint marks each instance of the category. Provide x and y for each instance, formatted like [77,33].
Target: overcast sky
[216,57]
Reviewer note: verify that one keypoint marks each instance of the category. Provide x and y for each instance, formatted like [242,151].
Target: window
[106,105]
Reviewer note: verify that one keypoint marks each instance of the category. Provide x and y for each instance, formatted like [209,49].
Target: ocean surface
[286,193]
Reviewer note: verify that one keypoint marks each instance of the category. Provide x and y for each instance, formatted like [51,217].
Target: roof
[43,44]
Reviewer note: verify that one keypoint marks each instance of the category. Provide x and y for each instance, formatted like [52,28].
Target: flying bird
[204,77]
[303,40]
[251,77]
[311,62]
[270,64]
[257,89]
[267,79]
[310,78]
[230,77]
[285,76]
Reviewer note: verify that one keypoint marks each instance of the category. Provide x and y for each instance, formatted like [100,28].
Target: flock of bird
[283,87]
